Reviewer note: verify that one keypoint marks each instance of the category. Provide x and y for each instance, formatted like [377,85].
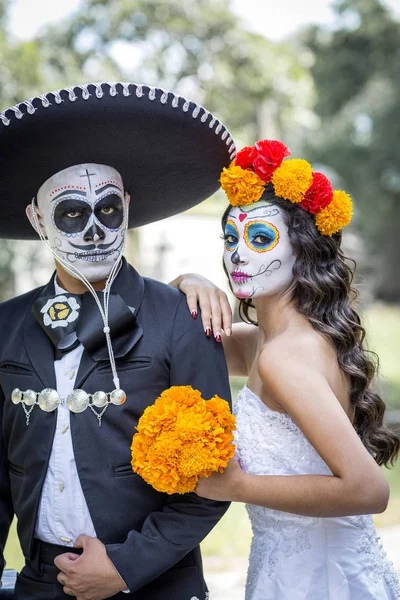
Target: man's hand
[91,575]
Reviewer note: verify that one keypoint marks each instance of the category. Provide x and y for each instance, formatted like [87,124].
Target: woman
[308,409]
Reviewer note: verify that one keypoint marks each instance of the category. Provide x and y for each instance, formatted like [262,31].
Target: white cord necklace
[79,400]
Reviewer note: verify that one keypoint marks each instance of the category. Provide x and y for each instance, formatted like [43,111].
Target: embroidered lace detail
[285,535]
[270,443]
[276,535]
[29,107]
[370,542]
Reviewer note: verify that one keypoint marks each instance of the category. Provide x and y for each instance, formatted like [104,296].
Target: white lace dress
[303,558]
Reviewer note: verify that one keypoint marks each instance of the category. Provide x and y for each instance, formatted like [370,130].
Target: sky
[28,16]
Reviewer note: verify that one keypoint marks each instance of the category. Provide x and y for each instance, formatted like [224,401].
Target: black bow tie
[72,319]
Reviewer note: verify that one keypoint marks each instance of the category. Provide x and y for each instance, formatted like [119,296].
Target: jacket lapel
[130,286]
[38,346]
[87,365]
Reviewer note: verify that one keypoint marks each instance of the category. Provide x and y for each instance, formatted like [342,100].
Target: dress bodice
[270,443]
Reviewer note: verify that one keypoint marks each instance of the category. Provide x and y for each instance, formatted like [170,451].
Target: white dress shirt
[63,513]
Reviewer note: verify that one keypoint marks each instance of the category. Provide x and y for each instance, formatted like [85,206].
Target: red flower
[270,154]
[245,157]
[318,195]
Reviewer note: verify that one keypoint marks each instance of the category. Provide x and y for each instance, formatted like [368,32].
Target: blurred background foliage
[356,72]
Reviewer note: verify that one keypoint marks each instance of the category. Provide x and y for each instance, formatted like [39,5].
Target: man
[77,369]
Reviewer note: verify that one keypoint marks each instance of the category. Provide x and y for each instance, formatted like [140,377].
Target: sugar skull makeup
[258,254]
[83,213]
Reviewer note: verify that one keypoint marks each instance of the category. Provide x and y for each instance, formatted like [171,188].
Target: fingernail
[218,337]
[208,331]
[228,332]
[194,314]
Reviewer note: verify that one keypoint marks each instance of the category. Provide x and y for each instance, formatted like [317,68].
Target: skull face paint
[84,213]
[258,254]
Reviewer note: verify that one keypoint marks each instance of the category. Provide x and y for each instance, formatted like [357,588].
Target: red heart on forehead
[242,217]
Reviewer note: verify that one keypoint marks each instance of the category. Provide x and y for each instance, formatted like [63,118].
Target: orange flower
[241,186]
[292,179]
[336,215]
[181,438]
[245,180]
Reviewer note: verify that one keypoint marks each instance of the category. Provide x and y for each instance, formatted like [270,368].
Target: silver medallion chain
[77,401]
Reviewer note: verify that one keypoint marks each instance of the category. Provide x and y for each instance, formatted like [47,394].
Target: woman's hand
[224,486]
[216,313]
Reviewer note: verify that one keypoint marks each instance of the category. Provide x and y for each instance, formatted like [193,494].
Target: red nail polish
[194,314]
[208,331]
[218,337]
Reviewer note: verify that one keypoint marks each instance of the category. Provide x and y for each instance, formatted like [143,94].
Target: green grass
[231,537]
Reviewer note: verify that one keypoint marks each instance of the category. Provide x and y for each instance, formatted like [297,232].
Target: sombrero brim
[169,151]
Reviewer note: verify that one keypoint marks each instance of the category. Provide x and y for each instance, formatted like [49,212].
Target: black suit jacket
[152,538]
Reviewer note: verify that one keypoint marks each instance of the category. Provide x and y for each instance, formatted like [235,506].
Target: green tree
[20,78]
[356,72]
[195,47]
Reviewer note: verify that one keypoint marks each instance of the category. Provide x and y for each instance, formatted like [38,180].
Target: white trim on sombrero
[139,90]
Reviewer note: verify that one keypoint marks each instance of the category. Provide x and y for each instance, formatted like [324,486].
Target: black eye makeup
[72,216]
[109,211]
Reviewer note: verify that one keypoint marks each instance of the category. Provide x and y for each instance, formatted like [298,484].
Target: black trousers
[38,578]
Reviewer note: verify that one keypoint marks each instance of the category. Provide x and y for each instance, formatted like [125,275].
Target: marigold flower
[242,187]
[270,154]
[182,437]
[292,179]
[318,195]
[336,215]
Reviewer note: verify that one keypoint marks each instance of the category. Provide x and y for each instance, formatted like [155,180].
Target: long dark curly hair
[322,291]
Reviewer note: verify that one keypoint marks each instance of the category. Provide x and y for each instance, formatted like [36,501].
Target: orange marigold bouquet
[182,437]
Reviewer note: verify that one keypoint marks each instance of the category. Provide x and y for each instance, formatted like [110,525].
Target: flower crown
[254,167]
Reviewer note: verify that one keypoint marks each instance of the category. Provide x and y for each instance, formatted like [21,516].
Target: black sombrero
[169,151]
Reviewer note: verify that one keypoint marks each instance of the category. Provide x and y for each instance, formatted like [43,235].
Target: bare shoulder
[307,351]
